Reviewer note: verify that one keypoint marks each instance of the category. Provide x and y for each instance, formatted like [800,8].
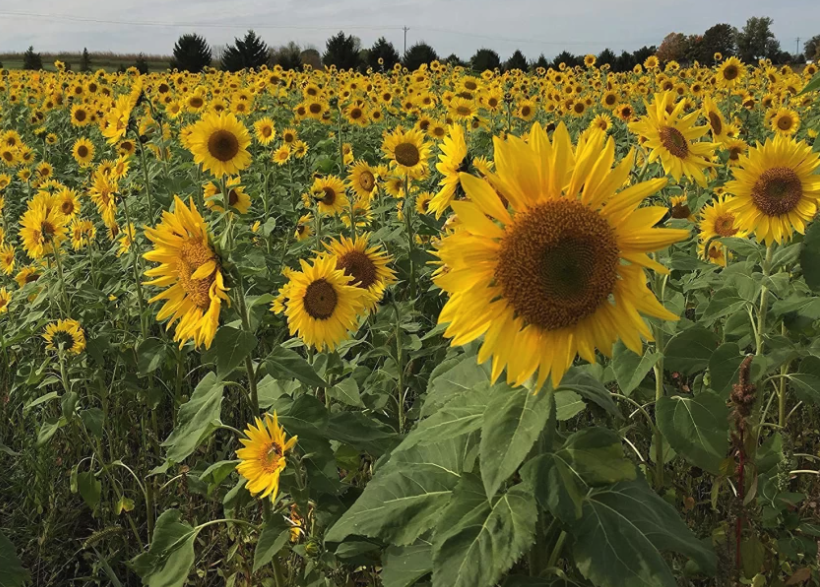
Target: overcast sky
[450,26]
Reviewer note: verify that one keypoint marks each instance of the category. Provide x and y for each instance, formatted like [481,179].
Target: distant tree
[693,50]
[542,62]
[384,50]
[141,64]
[606,57]
[312,57]
[811,49]
[485,59]
[342,51]
[673,48]
[719,39]
[624,62]
[567,59]
[32,60]
[246,53]
[455,60]
[287,56]
[516,61]
[191,53]
[85,61]
[757,40]
[419,54]
[642,54]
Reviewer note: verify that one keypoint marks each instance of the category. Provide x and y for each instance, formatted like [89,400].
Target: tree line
[193,53]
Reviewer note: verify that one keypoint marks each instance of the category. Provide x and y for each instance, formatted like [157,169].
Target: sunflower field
[396,328]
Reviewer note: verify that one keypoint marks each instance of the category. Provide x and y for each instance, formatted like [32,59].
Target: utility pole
[405,29]
[797,47]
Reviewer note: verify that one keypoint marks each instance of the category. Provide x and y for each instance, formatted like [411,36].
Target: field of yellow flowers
[395,328]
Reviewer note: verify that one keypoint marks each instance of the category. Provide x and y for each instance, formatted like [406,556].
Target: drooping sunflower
[785,122]
[219,142]
[265,130]
[322,306]
[116,121]
[190,271]
[303,229]
[83,152]
[237,197]
[102,194]
[362,179]
[7,259]
[329,194]
[41,228]
[735,148]
[777,190]
[679,208]
[126,148]
[561,274]
[716,253]
[127,237]
[263,456]
[423,202]
[451,161]
[673,138]
[407,151]
[367,265]
[5,300]
[65,335]
[26,275]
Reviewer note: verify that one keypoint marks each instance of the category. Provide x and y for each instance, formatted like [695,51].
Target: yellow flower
[262,458]
[407,151]
[329,193]
[65,335]
[102,194]
[362,179]
[7,259]
[719,221]
[730,73]
[679,208]
[82,233]
[265,130]
[41,228]
[126,239]
[5,300]
[26,275]
[281,155]
[83,152]
[116,121]
[453,153]
[365,264]
[785,122]
[303,229]
[190,271]
[219,143]
[237,198]
[548,281]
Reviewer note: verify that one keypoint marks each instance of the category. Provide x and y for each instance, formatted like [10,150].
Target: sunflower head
[263,456]
[219,143]
[65,336]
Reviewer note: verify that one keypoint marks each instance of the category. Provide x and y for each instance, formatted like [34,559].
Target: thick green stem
[147,179]
[66,301]
[246,325]
[400,367]
[659,392]
[781,391]
[135,258]
[408,211]
[764,303]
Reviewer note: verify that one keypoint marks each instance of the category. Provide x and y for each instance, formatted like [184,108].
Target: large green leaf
[810,256]
[403,566]
[463,414]
[171,555]
[556,486]
[405,497]
[274,536]
[196,419]
[724,367]
[624,529]
[589,388]
[361,432]
[451,378]
[285,363]
[722,303]
[697,427]
[89,488]
[230,347]
[807,380]
[631,369]
[347,392]
[597,457]
[513,421]
[812,86]
[477,540]
[12,573]
[689,351]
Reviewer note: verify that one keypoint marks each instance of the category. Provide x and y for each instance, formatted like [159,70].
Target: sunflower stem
[781,390]
[659,393]
[408,210]
[764,302]
[135,256]
[66,302]
[400,366]
[246,325]
[147,179]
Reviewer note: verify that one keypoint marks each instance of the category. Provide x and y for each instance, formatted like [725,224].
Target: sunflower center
[267,131]
[680,210]
[320,299]
[193,254]
[82,151]
[714,252]
[579,107]
[610,99]
[463,110]
[558,263]
[359,266]
[717,124]
[31,278]
[725,225]
[233,197]
[47,228]
[80,115]
[525,111]
[734,153]
[196,102]
[730,73]
[674,141]
[223,145]
[67,207]
[784,123]
[777,191]
[367,180]
[471,85]
[329,196]
[315,108]
[355,114]
[407,154]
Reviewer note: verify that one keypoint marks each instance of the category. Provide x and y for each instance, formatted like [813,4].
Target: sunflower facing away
[776,188]
[219,142]
[190,271]
[66,335]
[263,456]
[451,161]
[365,264]
[322,305]
[673,138]
[562,273]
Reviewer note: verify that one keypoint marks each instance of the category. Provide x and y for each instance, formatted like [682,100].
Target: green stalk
[400,366]
[66,301]
[659,393]
[781,390]
[147,180]
[135,256]
[408,210]
[764,299]
[246,325]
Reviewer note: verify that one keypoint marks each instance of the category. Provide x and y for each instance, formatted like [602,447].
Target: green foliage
[250,52]
[485,59]
[342,51]
[191,53]
[419,54]
[696,427]
[32,60]
[12,573]
[382,50]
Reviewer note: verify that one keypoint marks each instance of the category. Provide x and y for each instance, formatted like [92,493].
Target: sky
[450,26]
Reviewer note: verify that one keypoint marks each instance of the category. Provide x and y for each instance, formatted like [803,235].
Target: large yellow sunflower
[451,160]
[776,188]
[219,142]
[407,151]
[730,73]
[190,271]
[42,227]
[785,122]
[263,456]
[83,152]
[715,118]
[563,273]
[365,264]
[673,138]
[321,304]
[66,335]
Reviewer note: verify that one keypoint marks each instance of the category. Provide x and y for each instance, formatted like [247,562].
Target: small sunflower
[68,203]
[5,300]
[730,73]
[83,152]
[717,124]
[7,259]
[785,122]
[736,148]
[407,151]
[329,194]
[237,198]
[289,136]
[777,189]
[300,149]
[367,265]
[719,221]
[362,179]
[303,229]
[102,194]
[82,233]
[679,208]
[265,130]
[322,306]
[190,271]
[423,202]
[262,458]
[65,335]
[41,228]
[281,155]
[219,142]
[451,163]
[80,115]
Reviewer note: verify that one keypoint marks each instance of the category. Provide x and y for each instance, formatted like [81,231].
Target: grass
[107,61]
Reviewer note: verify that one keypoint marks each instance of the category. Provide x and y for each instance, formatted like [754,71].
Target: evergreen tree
[287,56]
[643,54]
[455,60]
[342,51]
[624,62]
[566,58]
[419,54]
[606,57]
[542,62]
[141,64]
[247,53]
[384,50]
[485,59]
[191,53]
[85,61]
[32,60]
[516,61]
